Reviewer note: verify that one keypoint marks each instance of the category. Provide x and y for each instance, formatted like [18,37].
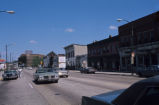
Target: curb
[110,73]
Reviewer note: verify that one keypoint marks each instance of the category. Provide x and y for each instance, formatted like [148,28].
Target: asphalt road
[68,91]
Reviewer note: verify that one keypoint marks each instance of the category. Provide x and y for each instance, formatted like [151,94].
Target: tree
[22,61]
[36,61]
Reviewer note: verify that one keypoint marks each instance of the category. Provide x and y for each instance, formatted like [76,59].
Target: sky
[49,25]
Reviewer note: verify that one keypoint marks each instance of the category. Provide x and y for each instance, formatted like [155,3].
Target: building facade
[139,38]
[59,61]
[48,60]
[28,60]
[71,52]
[81,61]
[103,55]
[28,52]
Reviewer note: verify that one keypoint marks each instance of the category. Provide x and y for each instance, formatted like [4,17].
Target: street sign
[133,54]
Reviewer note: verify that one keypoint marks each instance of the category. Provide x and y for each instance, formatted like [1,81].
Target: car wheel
[35,80]
[56,81]
[66,76]
[140,75]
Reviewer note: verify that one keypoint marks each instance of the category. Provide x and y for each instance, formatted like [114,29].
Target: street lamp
[132,49]
[10,12]
[122,20]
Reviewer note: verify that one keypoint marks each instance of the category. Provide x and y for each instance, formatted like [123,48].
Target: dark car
[10,74]
[144,92]
[148,71]
[88,70]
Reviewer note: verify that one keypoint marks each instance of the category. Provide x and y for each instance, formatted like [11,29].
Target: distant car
[45,74]
[144,92]
[29,68]
[148,71]
[88,70]
[62,72]
[10,74]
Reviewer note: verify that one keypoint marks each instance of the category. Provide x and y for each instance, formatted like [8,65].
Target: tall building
[29,60]
[139,42]
[28,52]
[71,52]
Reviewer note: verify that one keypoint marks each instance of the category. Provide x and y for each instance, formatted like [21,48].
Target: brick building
[104,55]
[144,42]
[27,60]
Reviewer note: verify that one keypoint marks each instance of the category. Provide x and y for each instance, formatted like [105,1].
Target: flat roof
[73,45]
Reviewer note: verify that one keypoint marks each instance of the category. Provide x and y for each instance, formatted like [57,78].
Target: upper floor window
[152,35]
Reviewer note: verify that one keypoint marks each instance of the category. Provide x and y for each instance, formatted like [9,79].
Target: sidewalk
[1,72]
[109,73]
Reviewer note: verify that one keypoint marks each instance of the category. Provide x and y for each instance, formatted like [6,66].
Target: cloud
[33,42]
[69,30]
[113,27]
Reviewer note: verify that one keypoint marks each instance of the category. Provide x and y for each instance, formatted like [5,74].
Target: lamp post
[10,12]
[132,43]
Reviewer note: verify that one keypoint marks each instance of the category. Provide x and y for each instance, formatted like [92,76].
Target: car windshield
[90,68]
[59,69]
[10,71]
[41,71]
[50,70]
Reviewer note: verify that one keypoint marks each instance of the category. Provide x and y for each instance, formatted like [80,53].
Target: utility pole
[10,57]
[6,57]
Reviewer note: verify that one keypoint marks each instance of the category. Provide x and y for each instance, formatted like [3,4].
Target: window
[152,37]
[150,97]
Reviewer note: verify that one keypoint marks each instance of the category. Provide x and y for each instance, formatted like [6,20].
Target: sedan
[148,71]
[88,70]
[10,74]
[144,92]
[44,74]
[62,72]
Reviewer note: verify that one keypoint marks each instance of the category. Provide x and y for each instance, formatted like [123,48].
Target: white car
[62,72]
[29,68]
[46,75]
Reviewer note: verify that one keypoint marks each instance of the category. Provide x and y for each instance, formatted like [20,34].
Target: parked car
[88,70]
[45,74]
[144,92]
[10,74]
[62,72]
[148,71]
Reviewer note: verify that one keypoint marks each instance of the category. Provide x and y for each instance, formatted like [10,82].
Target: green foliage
[36,61]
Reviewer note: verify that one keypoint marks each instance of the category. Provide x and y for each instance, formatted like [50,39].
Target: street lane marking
[30,85]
